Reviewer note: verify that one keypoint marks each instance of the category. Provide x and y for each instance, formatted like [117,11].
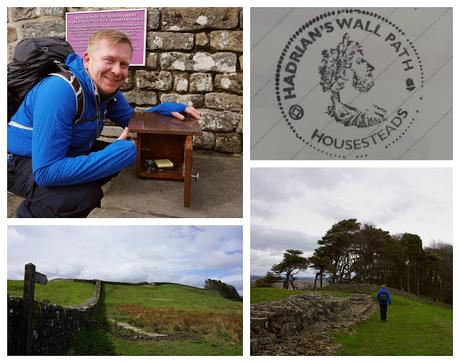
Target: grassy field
[197,322]
[262,294]
[412,328]
[61,292]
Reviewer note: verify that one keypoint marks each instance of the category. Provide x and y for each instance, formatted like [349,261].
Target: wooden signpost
[30,278]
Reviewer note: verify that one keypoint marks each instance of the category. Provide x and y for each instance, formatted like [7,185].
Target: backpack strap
[70,78]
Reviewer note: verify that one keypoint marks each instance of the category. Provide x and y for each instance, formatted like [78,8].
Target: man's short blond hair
[112,36]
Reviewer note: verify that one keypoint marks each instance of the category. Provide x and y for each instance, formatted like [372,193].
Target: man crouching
[56,163]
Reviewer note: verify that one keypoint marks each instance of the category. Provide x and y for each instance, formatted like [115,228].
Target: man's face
[107,65]
[362,78]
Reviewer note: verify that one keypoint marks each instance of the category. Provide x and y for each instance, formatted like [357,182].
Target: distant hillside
[63,292]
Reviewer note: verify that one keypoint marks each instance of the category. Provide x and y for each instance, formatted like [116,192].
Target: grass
[412,328]
[262,294]
[119,342]
[197,321]
[61,292]
[167,296]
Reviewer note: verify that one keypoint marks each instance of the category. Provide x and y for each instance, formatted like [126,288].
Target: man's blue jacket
[388,301]
[60,149]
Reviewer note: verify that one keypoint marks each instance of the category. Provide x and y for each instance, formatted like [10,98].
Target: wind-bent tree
[338,241]
[293,262]
[268,280]
[321,262]
[368,246]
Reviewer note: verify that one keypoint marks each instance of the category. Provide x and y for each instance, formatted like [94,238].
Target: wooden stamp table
[162,137]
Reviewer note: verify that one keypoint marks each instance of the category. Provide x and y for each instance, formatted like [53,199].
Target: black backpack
[383,297]
[34,59]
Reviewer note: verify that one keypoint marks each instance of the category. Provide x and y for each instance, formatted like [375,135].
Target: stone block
[240,62]
[181,82]
[205,141]
[47,11]
[151,60]
[169,41]
[241,18]
[154,80]
[129,82]
[239,127]
[42,29]
[224,40]
[192,19]
[200,82]
[223,62]
[140,97]
[218,120]
[12,34]
[33,13]
[224,101]
[176,61]
[153,18]
[201,39]
[231,82]
[195,100]
[24,13]
[228,143]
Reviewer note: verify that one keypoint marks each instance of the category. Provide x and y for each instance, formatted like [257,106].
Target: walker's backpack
[35,58]
[383,297]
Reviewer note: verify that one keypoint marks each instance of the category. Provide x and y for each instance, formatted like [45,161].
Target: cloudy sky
[293,208]
[187,255]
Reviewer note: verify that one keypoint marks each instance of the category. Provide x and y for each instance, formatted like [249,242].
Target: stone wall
[54,326]
[285,327]
[194,56]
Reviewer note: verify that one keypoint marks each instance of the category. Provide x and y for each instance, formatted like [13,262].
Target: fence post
[28,306]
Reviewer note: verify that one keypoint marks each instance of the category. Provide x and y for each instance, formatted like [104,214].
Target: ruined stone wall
[194,56]
[274,323]
[54,326]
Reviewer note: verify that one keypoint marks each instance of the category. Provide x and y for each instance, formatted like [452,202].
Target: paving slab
[217,194]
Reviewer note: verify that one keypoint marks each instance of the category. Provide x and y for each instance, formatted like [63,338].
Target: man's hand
[174,109]
[124,134]
[192,111]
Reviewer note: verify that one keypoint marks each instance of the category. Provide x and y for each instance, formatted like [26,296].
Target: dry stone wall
[298,325]
[194,56]
[54,326]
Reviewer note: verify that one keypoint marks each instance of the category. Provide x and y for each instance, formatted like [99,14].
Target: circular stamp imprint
[349,82]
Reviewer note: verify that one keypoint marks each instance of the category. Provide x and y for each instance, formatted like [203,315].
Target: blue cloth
[166,108]
[59,148]
[388,301]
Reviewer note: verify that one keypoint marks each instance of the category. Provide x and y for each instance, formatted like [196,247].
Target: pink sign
[80,26]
